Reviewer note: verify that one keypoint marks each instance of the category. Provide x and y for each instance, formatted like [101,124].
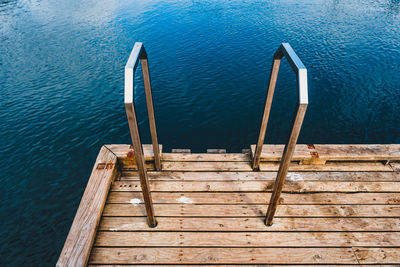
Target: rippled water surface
[61,85]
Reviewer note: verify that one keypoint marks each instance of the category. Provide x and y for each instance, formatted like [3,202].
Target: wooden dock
[340,205]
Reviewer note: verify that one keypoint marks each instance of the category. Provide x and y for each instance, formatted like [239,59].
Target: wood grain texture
[378,255]
[210,209]
[206,157]
[250,224]
[270,176]
[80,238]
[246,239]
[185,210]
[226,265]
[241,265]
[261,186]
[346,152]
[242,166]
[395,166]
[255,198]
[206,166]
[331,167]
[359,152]
[223,256]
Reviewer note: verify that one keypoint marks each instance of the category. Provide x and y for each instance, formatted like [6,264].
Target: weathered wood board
[340,206]
[83,230]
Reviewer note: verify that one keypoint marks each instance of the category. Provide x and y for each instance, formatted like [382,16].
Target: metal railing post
[150,109]
[130,68]
[284,50]
[267,108]
[285,162]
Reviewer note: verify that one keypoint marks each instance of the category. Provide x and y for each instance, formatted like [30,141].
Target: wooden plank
[222,256]
[359,152]
[395,166]
[206,157]
[230,265]
[125,165]
[262,186]
[233,176]
[331,167]
[246,239]
[334,152]
[378,255]
[255,198]
[208,265]
[186,210]
[206,166]
[80,238]
[181,150]
[231,166]
[216,150]
[250,224]
[274,152]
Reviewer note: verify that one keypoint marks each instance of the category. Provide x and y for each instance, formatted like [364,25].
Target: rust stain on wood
[101,166]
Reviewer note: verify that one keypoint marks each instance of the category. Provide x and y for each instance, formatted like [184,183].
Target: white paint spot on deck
[135,201]
[127,226]
[294,177]
[185,200]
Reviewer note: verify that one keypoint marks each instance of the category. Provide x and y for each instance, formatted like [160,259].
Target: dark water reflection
[61,82]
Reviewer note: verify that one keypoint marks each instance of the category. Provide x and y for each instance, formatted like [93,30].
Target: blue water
[61,85]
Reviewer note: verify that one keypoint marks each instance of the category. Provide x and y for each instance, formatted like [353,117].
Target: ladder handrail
[284,50]
[139,52]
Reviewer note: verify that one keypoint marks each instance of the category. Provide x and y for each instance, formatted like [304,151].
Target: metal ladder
[302,88]
[138,52]
[284,50]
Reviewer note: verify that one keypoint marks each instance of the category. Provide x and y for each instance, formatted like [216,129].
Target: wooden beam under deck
[339,206]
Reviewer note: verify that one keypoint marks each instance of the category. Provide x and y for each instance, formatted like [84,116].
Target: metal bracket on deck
[107,166]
